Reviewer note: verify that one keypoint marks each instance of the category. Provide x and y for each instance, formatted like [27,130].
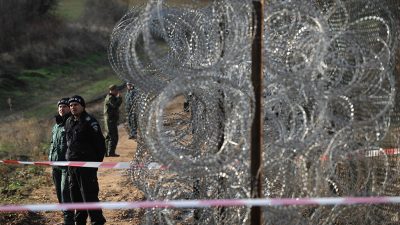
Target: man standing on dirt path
[85,142]
[131,110]
[57,151]
[111,116]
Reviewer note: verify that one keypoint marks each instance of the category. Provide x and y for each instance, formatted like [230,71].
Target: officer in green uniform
[111,116]
[57,151]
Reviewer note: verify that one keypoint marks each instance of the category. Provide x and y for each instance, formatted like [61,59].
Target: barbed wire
[329,92]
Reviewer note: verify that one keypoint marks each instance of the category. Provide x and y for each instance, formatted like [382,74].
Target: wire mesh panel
[329,103]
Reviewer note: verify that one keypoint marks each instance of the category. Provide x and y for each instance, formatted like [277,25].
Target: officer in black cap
[57,151]
[85,143]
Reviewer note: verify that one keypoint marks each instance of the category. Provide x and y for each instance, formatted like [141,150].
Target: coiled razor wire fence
[329,97]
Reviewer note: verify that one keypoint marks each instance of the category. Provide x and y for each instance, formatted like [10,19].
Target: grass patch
[88,89]
[18,182]
[55,71]
[100,86]
[70,10]
[88,76]
[45,110]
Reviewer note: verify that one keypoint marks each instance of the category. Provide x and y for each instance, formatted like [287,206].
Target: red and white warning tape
[369,153]
[382,151]
[111,165]
[154,165]
[203,203]
[114,165]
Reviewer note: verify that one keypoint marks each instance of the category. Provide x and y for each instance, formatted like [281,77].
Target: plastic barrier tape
[111,165]
[204,203]
[154,165]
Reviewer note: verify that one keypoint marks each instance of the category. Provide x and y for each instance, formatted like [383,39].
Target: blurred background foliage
[43,41]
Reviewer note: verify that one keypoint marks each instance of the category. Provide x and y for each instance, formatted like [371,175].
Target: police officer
[57,151]
[85,143]
[130,109]
[111,116]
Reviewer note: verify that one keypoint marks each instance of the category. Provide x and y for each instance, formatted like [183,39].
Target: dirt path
[114,185]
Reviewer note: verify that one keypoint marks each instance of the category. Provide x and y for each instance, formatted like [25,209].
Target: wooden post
[257,126]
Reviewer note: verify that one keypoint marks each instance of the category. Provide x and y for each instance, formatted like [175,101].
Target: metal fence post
[257,126]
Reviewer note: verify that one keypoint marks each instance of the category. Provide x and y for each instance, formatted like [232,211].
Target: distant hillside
[54,51]
[41,88]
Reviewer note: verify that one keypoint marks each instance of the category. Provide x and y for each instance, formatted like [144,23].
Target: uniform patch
[95,127]
[87,118]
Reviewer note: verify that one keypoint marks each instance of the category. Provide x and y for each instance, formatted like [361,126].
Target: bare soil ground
[115,185]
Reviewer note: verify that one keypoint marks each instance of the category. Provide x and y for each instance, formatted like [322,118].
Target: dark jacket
[130,98]
[58,147]
[85,140]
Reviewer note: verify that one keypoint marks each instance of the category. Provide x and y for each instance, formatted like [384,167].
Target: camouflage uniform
[57,151]
[130,109]
[111,117]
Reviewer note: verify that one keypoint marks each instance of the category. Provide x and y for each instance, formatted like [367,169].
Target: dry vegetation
[23,138]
